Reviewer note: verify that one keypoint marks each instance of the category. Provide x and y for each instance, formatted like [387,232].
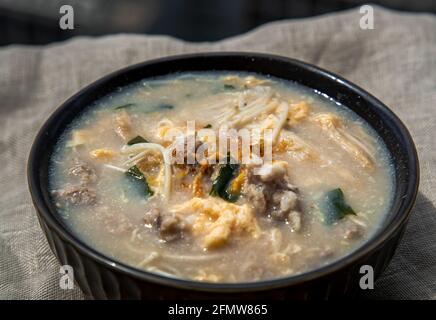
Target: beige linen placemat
[396,62]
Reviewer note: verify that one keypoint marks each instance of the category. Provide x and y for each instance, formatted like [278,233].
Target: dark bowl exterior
[101,277]
[98,281]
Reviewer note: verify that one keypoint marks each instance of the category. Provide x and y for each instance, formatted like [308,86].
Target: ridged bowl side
[100,282]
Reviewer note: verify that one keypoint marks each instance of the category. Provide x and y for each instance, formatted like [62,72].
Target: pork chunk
[256,197]
[83,171]
[283,202]
[352,231]
[169,225]
[76,195]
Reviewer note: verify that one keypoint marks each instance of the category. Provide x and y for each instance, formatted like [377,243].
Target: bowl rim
[374,242]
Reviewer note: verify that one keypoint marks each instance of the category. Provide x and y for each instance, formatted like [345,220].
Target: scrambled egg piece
[297,150]
[151,161]
[197,183]
[246,82]
[298,112]
[238,182]
[296,147]
[102,154]
[284,145]
[217,220]
[163,130]
[79,137]
[327,120]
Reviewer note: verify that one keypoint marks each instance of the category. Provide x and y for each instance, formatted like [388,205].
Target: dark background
[37,21]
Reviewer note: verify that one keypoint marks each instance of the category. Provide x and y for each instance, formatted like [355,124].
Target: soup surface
[221,177]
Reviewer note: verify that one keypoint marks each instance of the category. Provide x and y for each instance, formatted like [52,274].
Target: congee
[221,177]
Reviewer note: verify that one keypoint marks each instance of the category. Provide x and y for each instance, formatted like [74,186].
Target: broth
[325,192]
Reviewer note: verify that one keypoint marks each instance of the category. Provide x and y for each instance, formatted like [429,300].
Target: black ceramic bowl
[103,277]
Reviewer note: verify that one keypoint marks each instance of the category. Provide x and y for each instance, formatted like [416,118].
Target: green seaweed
[125,106]
[135,140]
[137,177]
[220,186]
[334,206]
